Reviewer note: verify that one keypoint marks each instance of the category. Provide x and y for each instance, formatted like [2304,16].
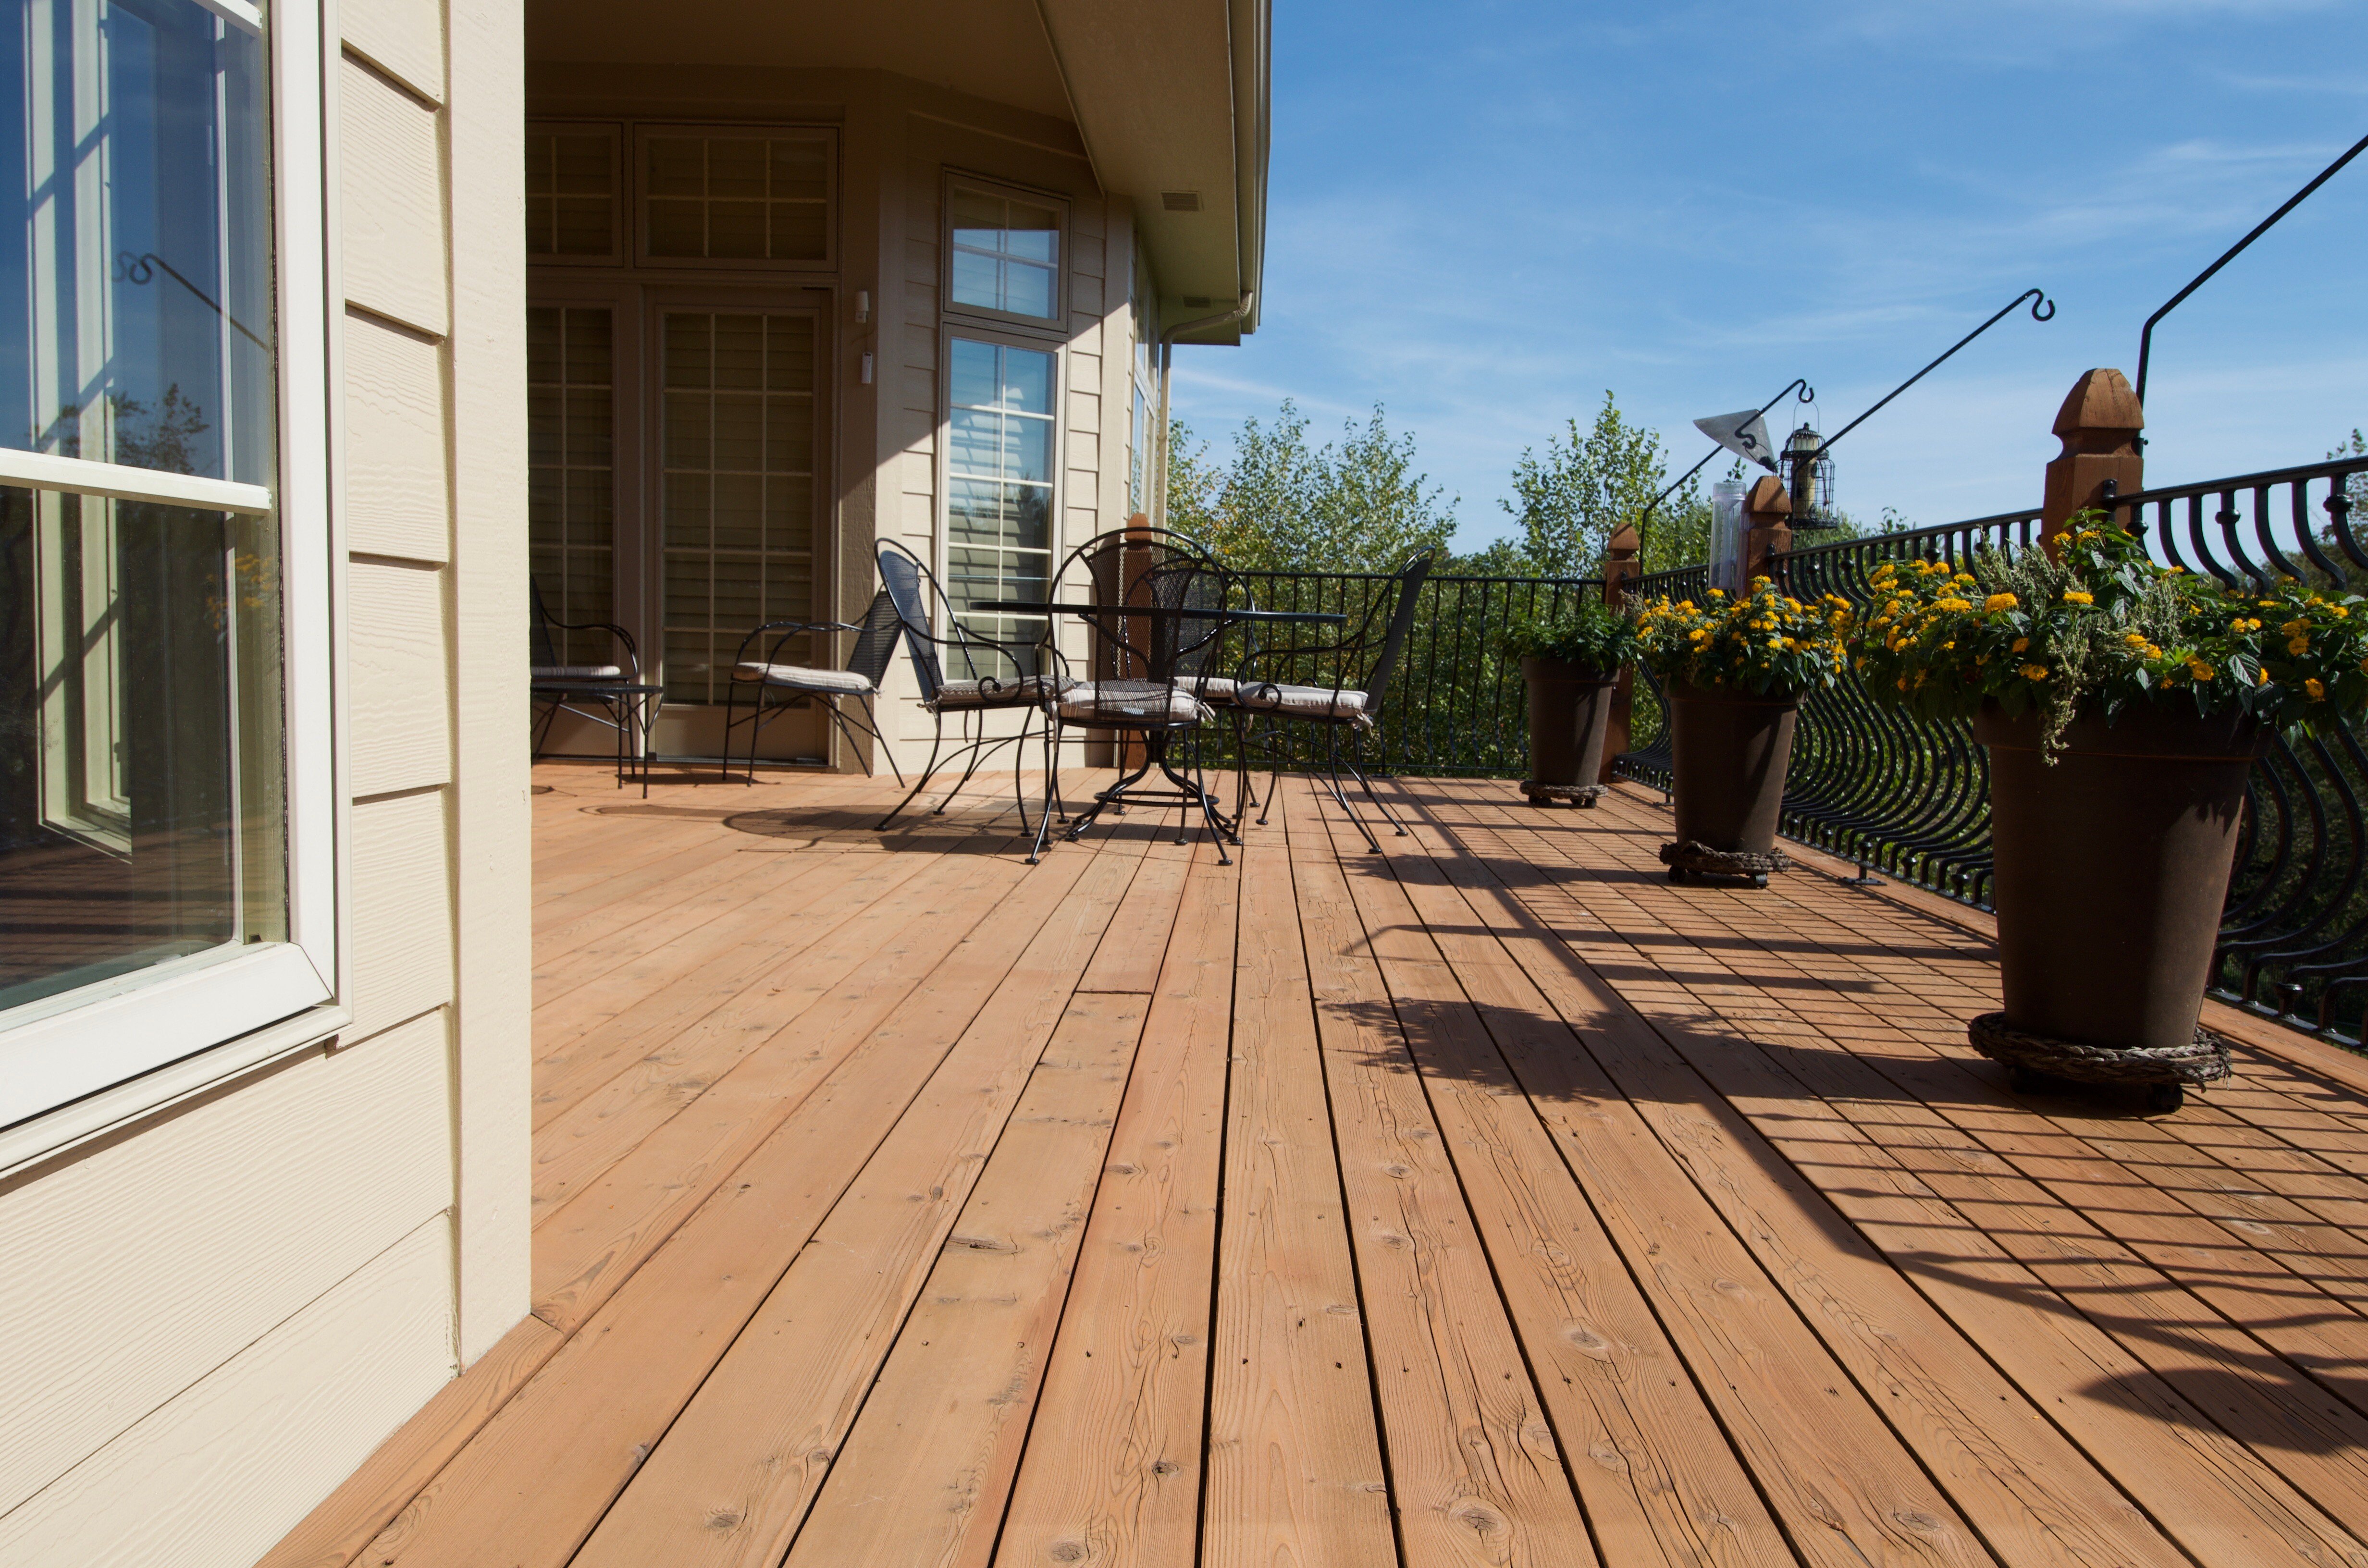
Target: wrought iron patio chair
[793,684]
[606,694]
[1160,600]
[994,677]
[1347,681]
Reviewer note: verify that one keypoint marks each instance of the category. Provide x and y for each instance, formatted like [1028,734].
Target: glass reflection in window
[1006,254]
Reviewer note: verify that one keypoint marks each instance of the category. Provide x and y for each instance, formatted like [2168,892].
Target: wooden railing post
[1766,529]
[1620,571]
[2099,423]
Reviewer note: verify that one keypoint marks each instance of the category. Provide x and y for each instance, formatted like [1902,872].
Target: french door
[679,486]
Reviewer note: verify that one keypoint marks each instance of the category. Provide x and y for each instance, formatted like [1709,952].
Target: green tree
[1355,505]
[1569,502]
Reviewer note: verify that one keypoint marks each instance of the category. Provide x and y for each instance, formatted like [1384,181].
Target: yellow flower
[1954,606]
[2033,672]
[2338,612]
[2298,646]
[1998,602]
[2199,669]
[2020,644]
[2135,638]
[2261,677]
[1714,593]
[2294,628]
[2079,598]
[2317,692]
[1903,683]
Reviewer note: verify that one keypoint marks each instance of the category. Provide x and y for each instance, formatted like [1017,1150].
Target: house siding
[217,1312]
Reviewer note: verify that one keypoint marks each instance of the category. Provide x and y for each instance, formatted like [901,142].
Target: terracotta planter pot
[1570,712]
[1730,750]
[2112,869]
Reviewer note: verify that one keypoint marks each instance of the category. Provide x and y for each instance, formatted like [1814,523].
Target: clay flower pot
[1730,750]
[1570,711]
[2112,869]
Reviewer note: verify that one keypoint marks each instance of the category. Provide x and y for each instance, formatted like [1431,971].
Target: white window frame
[1055,326]
[75,1063]
[1057,529]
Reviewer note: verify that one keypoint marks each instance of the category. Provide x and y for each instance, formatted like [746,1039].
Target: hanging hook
[2038,297]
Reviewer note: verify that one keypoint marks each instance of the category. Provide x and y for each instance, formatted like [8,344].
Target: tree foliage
[1355,505]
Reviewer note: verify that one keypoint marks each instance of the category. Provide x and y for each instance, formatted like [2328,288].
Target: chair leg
[921,783]
[730,702]
[1356,757]
[1332,754]
[1051,785]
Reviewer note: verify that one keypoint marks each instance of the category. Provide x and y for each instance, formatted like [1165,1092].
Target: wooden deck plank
[924,1472]
[2210,1491]
[1659,1481]
[1113,1470]
[637,919]
[1475,1473]
[608,1025]
[1295,1473]
[1041,935]
[1842,1481]
[611,1392]
[731,1481]
[873,955]
[338,1529]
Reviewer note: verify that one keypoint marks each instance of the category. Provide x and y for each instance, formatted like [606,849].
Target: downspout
[1167,358]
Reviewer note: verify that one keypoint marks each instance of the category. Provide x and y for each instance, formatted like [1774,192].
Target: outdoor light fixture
[1744,434]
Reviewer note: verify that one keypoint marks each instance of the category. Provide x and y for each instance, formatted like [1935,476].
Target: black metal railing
[2294,939]
[1911,798]
[1456,704]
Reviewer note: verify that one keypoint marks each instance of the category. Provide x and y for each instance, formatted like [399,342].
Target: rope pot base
[2166,1072]
[1584,795]
[1702,859]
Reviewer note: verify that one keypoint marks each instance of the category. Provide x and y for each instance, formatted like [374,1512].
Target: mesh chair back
[1409,591]
[875,644]
[900,579]
[1131,575]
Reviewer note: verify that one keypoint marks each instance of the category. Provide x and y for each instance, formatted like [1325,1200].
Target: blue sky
[1485,215]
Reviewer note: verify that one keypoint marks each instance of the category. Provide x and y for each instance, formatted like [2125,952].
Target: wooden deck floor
[1487,1200]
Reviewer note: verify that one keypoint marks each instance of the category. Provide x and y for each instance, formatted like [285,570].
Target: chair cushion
[1217,691]
[1304,703]
[577,672]
[798,677]
[1024,691]
[1125,702]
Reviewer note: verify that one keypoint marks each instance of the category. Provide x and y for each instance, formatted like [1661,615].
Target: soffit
[1163,96]
[990,49]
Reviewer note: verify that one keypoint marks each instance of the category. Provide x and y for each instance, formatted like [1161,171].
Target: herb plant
[1587,633]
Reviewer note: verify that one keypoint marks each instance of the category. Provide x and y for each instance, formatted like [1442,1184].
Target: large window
[144,697]
[735,197]
[1000,453]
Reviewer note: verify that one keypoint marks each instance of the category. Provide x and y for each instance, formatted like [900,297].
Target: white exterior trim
[80,476]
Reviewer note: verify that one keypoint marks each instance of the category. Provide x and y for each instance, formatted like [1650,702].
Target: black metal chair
[1358,668]
[608,694]
[996,677]
[1162,602]
[795,685]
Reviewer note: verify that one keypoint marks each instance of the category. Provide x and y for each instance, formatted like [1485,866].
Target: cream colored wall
[930,132]
[213,1316]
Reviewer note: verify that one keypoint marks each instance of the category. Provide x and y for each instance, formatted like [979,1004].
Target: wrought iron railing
[1455,704]
[1911,798]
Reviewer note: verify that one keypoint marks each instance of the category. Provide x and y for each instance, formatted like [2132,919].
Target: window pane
[141,815]
[138,274]
[1006,255]
[738,446]
[570,477]
[737,198]
[1000,495]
